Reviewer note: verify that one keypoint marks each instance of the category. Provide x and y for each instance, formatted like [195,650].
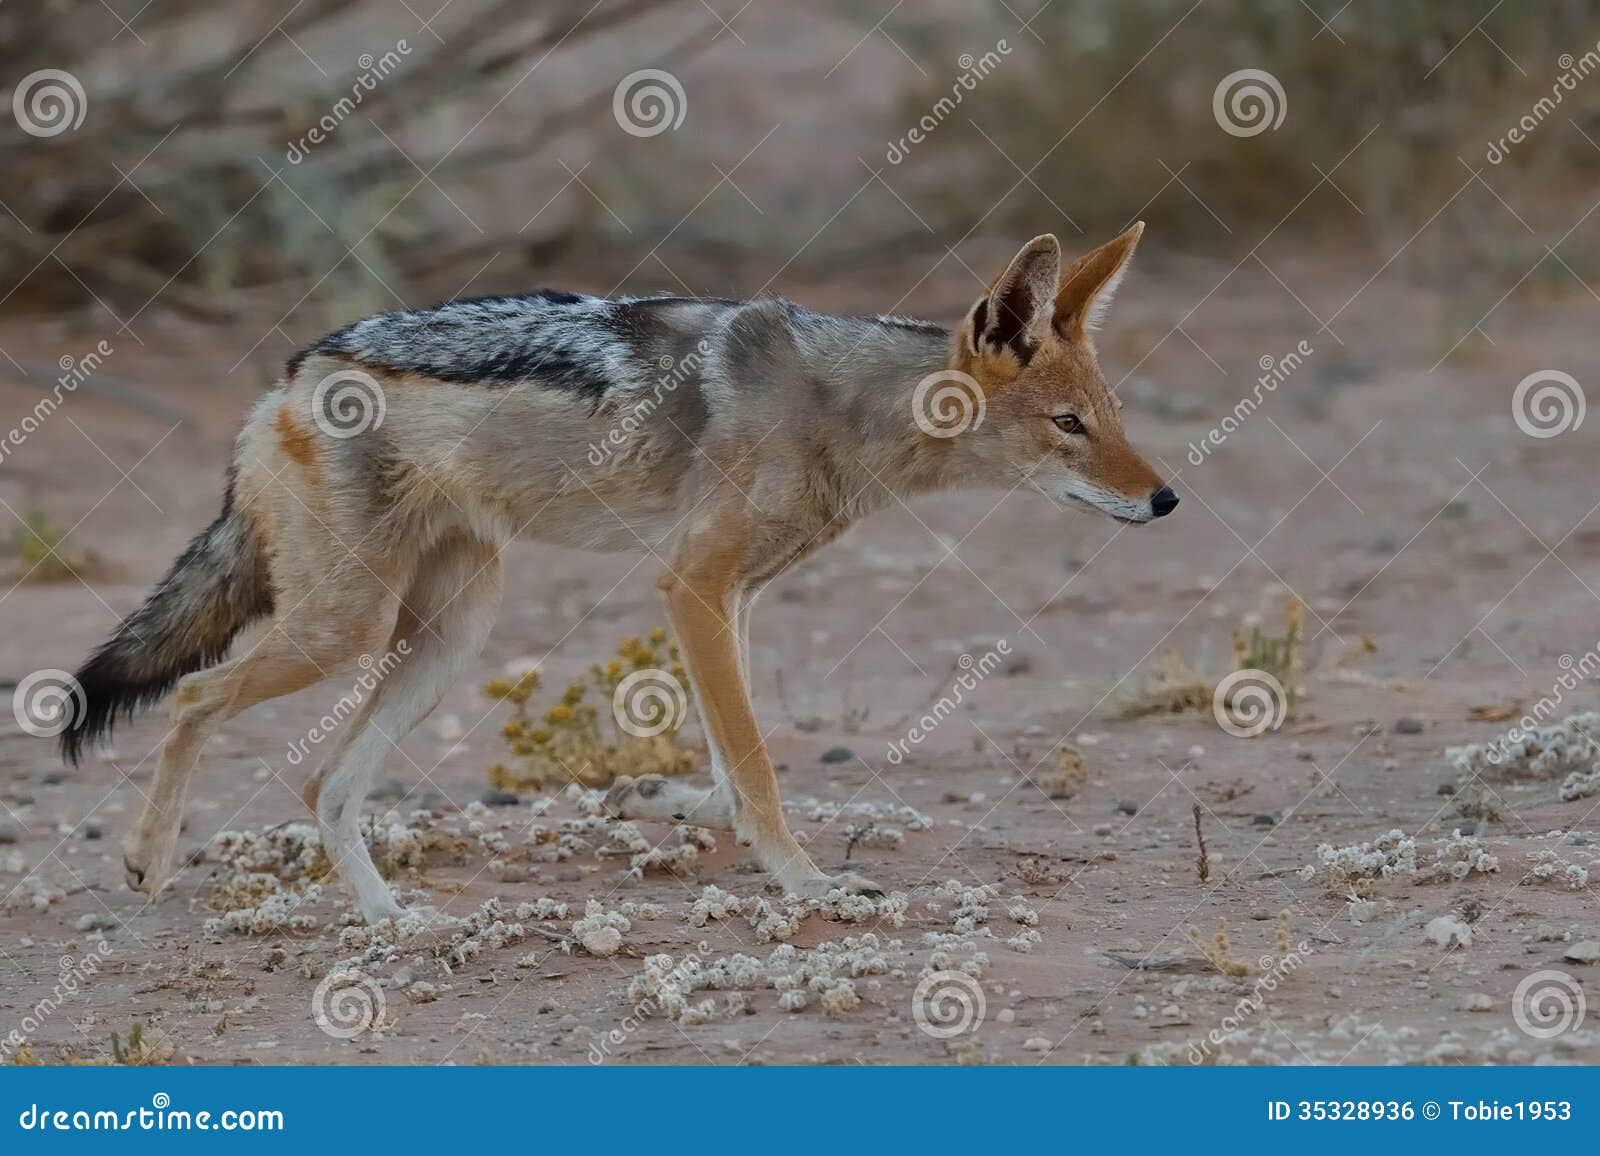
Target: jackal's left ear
[1016,313]
[1089,283]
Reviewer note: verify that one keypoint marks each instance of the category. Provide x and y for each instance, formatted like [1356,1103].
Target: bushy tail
[217,586]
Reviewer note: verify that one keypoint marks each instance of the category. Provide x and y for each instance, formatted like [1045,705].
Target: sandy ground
[1397,499]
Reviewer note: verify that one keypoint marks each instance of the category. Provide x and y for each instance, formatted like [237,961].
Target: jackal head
[1048,415]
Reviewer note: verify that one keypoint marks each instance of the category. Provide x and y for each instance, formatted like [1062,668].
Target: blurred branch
[195,211]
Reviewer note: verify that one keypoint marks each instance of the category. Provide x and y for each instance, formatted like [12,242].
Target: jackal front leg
[703,613]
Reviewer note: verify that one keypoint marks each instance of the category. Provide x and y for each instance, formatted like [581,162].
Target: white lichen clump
[600,931]
[1022,913]
[871,814]
[1571,746]
[971,906]
[1460,855]
[828,973]
[645,856]
[770,923]
[541,909]
[714,903]
[954,952]
[483,929]
[1024,941]
[1581,784]
[1394,854]
[262,881]
[842,906]
[1549,867]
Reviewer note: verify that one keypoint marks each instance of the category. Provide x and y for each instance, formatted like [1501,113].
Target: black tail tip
[72,740]
[86,706]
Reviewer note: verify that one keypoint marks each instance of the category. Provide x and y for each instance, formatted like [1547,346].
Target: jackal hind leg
[445,617]
[306,641]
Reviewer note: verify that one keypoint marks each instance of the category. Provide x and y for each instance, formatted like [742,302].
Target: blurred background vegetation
[490,158]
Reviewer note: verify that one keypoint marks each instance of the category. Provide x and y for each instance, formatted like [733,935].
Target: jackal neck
[882,449]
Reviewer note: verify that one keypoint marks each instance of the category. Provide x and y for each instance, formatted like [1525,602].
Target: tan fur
[789,434]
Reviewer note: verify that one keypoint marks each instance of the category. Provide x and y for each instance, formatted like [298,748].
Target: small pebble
[1447,930]
[1005,1015]
[1127,808]
[498,798]
[92,831]
[1479,1002]
[1588,951]
[1102,828]
[1408,726]
[837,755]
[1263,821]
[1036,1044]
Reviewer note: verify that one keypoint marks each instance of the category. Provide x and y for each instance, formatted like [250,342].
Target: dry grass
[1218,951]
[1281,656]
[142,1048]
[43,552]
[1066,778]
[1174,686]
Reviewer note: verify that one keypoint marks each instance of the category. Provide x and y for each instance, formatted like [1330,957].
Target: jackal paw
[622,801]
[146,871]
[818,886]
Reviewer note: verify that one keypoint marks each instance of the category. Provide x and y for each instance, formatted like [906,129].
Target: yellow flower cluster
[567,742]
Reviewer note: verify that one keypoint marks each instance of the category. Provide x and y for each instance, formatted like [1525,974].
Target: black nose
[1163,501]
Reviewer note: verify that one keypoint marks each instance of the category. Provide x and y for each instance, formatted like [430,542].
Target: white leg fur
[446,616]
[660,800]
[204,701]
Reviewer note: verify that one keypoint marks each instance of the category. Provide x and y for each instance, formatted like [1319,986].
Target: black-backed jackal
[371,492]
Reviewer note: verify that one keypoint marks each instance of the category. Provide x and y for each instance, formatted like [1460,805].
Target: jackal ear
[1089,283]
[1016,313]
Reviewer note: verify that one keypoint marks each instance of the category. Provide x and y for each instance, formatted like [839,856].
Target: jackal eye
[1068,423]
